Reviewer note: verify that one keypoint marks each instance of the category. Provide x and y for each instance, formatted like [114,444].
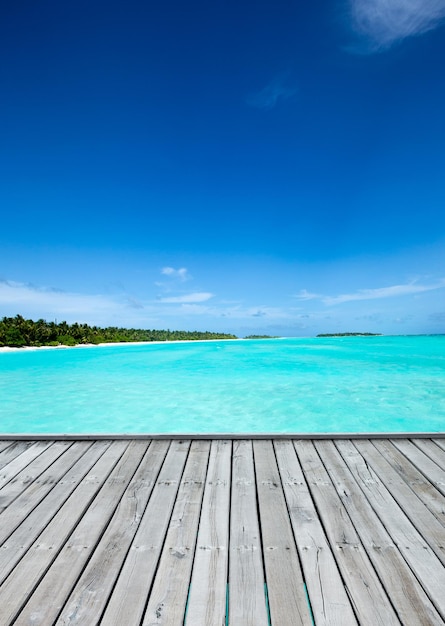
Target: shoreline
[111,343]
[5,349]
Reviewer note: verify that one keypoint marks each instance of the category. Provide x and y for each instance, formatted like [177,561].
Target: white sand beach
[119,343]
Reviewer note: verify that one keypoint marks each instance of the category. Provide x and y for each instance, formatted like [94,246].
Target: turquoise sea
[316,385]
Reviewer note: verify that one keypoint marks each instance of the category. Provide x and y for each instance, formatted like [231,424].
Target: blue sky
[252,167]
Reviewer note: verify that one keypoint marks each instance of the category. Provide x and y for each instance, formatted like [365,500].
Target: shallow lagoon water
[316,385]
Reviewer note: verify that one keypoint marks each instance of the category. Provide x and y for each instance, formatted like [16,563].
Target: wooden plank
[127,603]
[409,599]
[207,599]
[13,451]
[421,518]
[440,443]
[328,597]
[424,464]
[29,474]
[422,560]
[370,602]
[247,602]
[22,581]
[434,452]
[58,481]
[424,490]
[47,601]
[285,585]
[88,598]
[168,597]
[4,445]
[16,465]
[43,515]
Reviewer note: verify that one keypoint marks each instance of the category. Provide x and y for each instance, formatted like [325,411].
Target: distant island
[349,335]
[18,332]
[260,337]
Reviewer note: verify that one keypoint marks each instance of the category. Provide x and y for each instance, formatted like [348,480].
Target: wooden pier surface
[215,532]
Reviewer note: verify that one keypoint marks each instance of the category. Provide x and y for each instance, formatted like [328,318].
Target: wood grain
[168,597]
[370,601]
[326,589]
[207,599]
[247,605]
[200,532]
[408,597]
[130,594]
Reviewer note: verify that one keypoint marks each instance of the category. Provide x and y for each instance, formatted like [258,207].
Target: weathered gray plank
[22,581]
[29,515]
[440,443]
[424,464]
[421,518]
[413,606]
[87,600]
[168,596]
[207,599]
[428,494]
[329,601]
[40,516]
[369,599]
[16,465]
[130,594]
[286,592]
[247,602]
[434,452]
[411,544]
[13,451]
[31,472]
[48,599]
[4,445]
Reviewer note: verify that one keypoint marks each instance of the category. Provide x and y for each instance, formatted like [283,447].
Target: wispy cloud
[393,291]
[307,295]
[34,302]
[181,273]
[383,292]
[190,298]
[174,311]
[385,22]
[52,303]
[278,90]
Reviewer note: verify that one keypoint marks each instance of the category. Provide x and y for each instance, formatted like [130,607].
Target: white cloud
[181,273]
[307,295]
[393,291]
[383,292]
[385,22]
[50,303]
[190,298]
[196,309]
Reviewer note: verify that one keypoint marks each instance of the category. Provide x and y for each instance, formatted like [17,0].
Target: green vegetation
[349,335]
[260,337]
[19,332]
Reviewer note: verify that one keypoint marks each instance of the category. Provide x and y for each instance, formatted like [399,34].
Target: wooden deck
[240,532]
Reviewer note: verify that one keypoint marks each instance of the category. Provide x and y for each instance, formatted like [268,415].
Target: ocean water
[316,385]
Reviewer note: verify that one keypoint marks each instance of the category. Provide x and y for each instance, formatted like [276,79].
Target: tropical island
[260,337]
[349,335]
[18,332]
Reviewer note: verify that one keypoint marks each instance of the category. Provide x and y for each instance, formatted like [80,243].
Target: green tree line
[19,332]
